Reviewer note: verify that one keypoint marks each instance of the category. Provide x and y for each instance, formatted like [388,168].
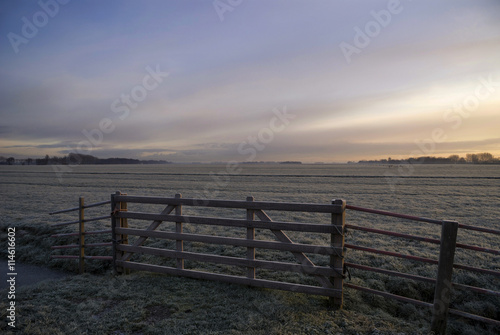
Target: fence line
[421,219]
[421,238]
[420,259]
[78,208]
[445,264]
[330,278]
[420,278]
[81,246]
[96,232]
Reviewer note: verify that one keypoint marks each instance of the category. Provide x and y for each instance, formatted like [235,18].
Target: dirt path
[28,274]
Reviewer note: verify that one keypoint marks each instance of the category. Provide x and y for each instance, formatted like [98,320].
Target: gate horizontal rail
[263,283]
[291,226]
[235,261]
[255,205]
[240,242]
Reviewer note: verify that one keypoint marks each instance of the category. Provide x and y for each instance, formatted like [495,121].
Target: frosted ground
[469,194]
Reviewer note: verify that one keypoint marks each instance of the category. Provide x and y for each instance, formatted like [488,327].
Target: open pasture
[465,193]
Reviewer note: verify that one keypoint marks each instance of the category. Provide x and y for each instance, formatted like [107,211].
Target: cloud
[227,77]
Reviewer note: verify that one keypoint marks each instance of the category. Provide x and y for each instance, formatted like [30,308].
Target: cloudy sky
[244,80]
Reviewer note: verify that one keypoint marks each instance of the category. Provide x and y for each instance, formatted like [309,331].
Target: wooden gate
[329,277]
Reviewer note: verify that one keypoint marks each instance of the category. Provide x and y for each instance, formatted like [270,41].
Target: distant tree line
[481,158]
[291,162]
[75,159]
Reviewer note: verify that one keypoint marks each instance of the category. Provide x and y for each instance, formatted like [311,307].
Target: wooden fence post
[178,229]
[442,293]
[250,236]
[337,261]
[81,242]
[115,237]
[124,224]
[124,221]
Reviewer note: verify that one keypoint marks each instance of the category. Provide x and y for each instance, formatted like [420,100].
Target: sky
[249,80]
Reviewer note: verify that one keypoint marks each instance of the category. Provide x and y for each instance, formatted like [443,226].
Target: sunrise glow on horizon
[206,81]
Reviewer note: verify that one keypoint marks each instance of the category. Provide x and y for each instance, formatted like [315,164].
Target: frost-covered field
[466,193]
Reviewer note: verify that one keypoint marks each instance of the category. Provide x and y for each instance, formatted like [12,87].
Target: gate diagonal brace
[300,256]
[152,226]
